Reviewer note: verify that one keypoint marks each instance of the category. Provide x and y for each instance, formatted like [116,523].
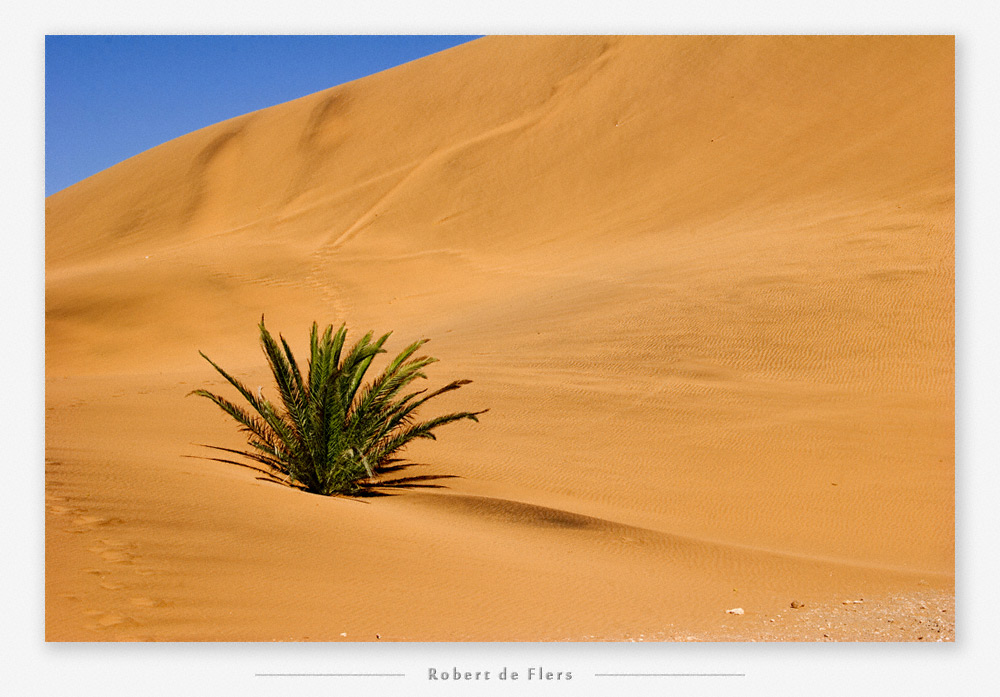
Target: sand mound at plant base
[704,286]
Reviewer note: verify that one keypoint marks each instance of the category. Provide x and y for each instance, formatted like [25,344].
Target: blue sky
[108,98]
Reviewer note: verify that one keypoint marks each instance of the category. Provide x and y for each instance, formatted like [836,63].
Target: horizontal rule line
[330,675]
[670,675]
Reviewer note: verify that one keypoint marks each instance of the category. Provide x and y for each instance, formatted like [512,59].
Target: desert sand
[704,285]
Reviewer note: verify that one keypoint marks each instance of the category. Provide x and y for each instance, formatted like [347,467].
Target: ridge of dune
[705,286]
[679,548]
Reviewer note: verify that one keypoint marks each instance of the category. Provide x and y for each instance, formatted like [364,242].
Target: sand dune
[705,286]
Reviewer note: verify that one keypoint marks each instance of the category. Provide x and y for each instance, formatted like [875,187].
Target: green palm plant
[330,435]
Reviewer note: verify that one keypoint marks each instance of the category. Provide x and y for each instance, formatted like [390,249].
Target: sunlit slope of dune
[535,146]
[704,284]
